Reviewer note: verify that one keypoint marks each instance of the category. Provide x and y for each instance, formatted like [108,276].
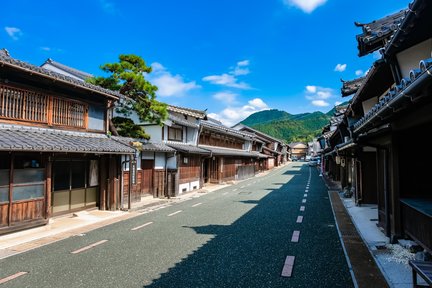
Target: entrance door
[147,176]
[71,189]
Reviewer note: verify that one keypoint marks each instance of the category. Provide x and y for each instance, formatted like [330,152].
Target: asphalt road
[238,236]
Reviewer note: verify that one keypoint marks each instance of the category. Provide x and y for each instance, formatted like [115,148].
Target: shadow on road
[251,251]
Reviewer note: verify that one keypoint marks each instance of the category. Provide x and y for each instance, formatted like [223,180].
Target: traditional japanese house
[183,169]
[403,113]
[231,155]
[55,155]
[392,107]
[298,150]
[272,151]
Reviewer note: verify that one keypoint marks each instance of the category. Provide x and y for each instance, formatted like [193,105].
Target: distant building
[298,150]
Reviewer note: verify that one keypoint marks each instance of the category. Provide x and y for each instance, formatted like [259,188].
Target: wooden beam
[11,174]
[48,171]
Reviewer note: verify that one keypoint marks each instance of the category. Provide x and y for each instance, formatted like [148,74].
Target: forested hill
[289,127]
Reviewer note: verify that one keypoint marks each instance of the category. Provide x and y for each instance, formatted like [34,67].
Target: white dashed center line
[139,227]
[172,214]
[11,277]
[89,247]
[195,205]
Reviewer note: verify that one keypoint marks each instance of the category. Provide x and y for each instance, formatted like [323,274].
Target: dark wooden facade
[47,166]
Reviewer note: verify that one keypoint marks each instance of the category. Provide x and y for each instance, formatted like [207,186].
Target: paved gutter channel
[363,266]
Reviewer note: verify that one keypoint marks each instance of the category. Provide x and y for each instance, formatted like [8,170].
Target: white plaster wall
[155,132]
[55,69]
[160,161]
[192,135]
[410,58]
[172,163]
[188,186]
[368,104]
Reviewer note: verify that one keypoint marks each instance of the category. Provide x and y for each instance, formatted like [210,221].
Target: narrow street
[239,236]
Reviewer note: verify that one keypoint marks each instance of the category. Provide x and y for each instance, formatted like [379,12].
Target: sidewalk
[391,259]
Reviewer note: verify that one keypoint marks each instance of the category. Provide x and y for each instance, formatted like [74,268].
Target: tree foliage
[128,77]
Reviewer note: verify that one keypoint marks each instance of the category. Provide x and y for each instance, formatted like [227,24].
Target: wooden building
[298,150]
[183,168]
[388,112]
[272,152]
[231,153]
[55,155]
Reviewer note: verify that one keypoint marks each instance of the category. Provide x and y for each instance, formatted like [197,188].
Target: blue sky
[231,57]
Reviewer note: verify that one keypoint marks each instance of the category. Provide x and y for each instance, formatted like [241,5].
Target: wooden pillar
[102,182]
[11,172]
[48,189]
[113,183]
[395,220]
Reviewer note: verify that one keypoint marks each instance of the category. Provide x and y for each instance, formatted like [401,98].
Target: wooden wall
[190,171]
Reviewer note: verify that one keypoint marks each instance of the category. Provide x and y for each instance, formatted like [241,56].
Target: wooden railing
[26,105]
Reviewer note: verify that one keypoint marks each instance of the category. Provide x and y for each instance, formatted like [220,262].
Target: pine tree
[127,77]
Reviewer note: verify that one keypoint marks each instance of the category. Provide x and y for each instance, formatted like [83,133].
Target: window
[175,134]
[28,177]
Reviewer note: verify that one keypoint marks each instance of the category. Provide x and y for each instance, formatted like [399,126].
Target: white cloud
[230,79]
[232,115]
[243,63]
[13,32]
[225,97]
[359,72]
[168,84]
[340,67]
[311,89]
[318,95]
[320,103]
[226,80]
[306,5]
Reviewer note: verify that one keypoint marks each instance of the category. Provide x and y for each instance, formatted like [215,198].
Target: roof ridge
[6,59]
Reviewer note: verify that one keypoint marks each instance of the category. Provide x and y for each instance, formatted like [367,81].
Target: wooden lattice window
[22,104]
[68,113]
[27,105]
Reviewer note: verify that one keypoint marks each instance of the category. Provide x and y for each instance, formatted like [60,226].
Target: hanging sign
[133,172]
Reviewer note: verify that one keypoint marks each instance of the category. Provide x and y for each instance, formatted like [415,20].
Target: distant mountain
[266,116]
[289,127]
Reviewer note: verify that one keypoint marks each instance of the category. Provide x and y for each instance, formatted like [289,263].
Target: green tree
[127,77]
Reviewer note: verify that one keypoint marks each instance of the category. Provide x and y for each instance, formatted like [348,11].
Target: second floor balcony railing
[30,106]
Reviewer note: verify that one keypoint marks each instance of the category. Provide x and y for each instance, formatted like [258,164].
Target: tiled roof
[376,33]
[186,148]
[328,134]
[22,138]
[260,155]
[228,151]
[181,121]
[6,60]
[77,73]
[272,151]
[187,111]
[351,87]
[145,144]
[226,130]
[407,90]
[295,144]
[243,127]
